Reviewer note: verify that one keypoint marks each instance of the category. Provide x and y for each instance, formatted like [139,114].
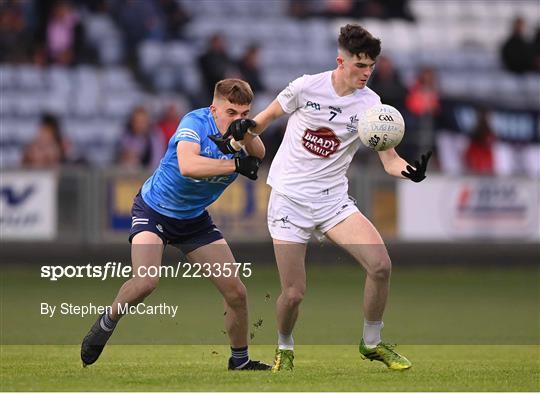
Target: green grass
[464,329]
[318,368]
[426,306]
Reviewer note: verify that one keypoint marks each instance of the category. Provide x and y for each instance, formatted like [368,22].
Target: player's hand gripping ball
[381,127]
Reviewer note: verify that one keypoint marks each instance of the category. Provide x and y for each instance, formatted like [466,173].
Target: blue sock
[239,356]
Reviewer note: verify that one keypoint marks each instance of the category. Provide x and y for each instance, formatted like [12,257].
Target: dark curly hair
[355,39]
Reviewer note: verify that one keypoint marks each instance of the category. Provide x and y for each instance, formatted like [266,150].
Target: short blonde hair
[235,90]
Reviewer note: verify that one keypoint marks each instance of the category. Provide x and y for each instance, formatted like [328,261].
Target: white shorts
[295,221]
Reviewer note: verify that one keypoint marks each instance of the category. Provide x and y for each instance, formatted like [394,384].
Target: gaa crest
[352,126]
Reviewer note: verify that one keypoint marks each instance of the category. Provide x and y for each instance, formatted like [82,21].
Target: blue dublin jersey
[170,193]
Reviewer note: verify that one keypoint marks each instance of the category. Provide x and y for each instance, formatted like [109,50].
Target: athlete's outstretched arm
[245,136]
[396,166]
[263,120]
[392,162]
[267,116]
[193,165]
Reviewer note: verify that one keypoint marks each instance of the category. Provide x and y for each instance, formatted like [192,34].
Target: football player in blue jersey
[171,209]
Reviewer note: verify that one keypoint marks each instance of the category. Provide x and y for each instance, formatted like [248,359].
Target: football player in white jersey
[309,187]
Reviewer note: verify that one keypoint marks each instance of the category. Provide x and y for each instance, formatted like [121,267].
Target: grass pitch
[318,368]
[427,306]
[464,329]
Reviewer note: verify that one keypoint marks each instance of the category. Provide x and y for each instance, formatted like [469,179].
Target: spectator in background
[479,156]
[65,34]
[516,50]
[423,97]
[215,64]
[48,148]
[176,18]
[536,50]
[139,20]
[388,84]
[15,34]
[327,8]
[300,9]
[249,68]
[423,111]
[169,121]
[142,144]
[339,8]
[398,9]
[382,9]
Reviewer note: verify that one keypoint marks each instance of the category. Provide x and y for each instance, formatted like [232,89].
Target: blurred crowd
[142,143]
[519,53]
[351,8]
[51,32]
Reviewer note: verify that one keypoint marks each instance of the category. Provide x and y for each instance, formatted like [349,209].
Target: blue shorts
[187,234]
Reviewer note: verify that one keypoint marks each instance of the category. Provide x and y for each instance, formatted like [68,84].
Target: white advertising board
[469,208]
[28,205]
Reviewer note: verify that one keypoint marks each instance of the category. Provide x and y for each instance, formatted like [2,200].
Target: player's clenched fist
[239,128]
[247,166]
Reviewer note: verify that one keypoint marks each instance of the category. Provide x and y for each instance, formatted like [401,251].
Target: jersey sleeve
[289,98]
[190,129]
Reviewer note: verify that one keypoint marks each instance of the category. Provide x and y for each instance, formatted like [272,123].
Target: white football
[381,127]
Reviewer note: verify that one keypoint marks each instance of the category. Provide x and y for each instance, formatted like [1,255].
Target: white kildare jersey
[321,138]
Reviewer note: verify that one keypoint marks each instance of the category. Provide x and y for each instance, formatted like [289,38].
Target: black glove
[247,166]
[417,174]
[238,129]
[223,145]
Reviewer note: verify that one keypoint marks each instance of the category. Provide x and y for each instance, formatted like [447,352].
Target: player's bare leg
[360,239]
[146,250]
[232,289]
[235,299]
[290,258]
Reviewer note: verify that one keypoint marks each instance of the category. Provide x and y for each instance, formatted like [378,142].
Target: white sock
[285,342]
[372,332]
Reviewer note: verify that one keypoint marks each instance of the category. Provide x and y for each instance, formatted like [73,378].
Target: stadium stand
[460,40]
